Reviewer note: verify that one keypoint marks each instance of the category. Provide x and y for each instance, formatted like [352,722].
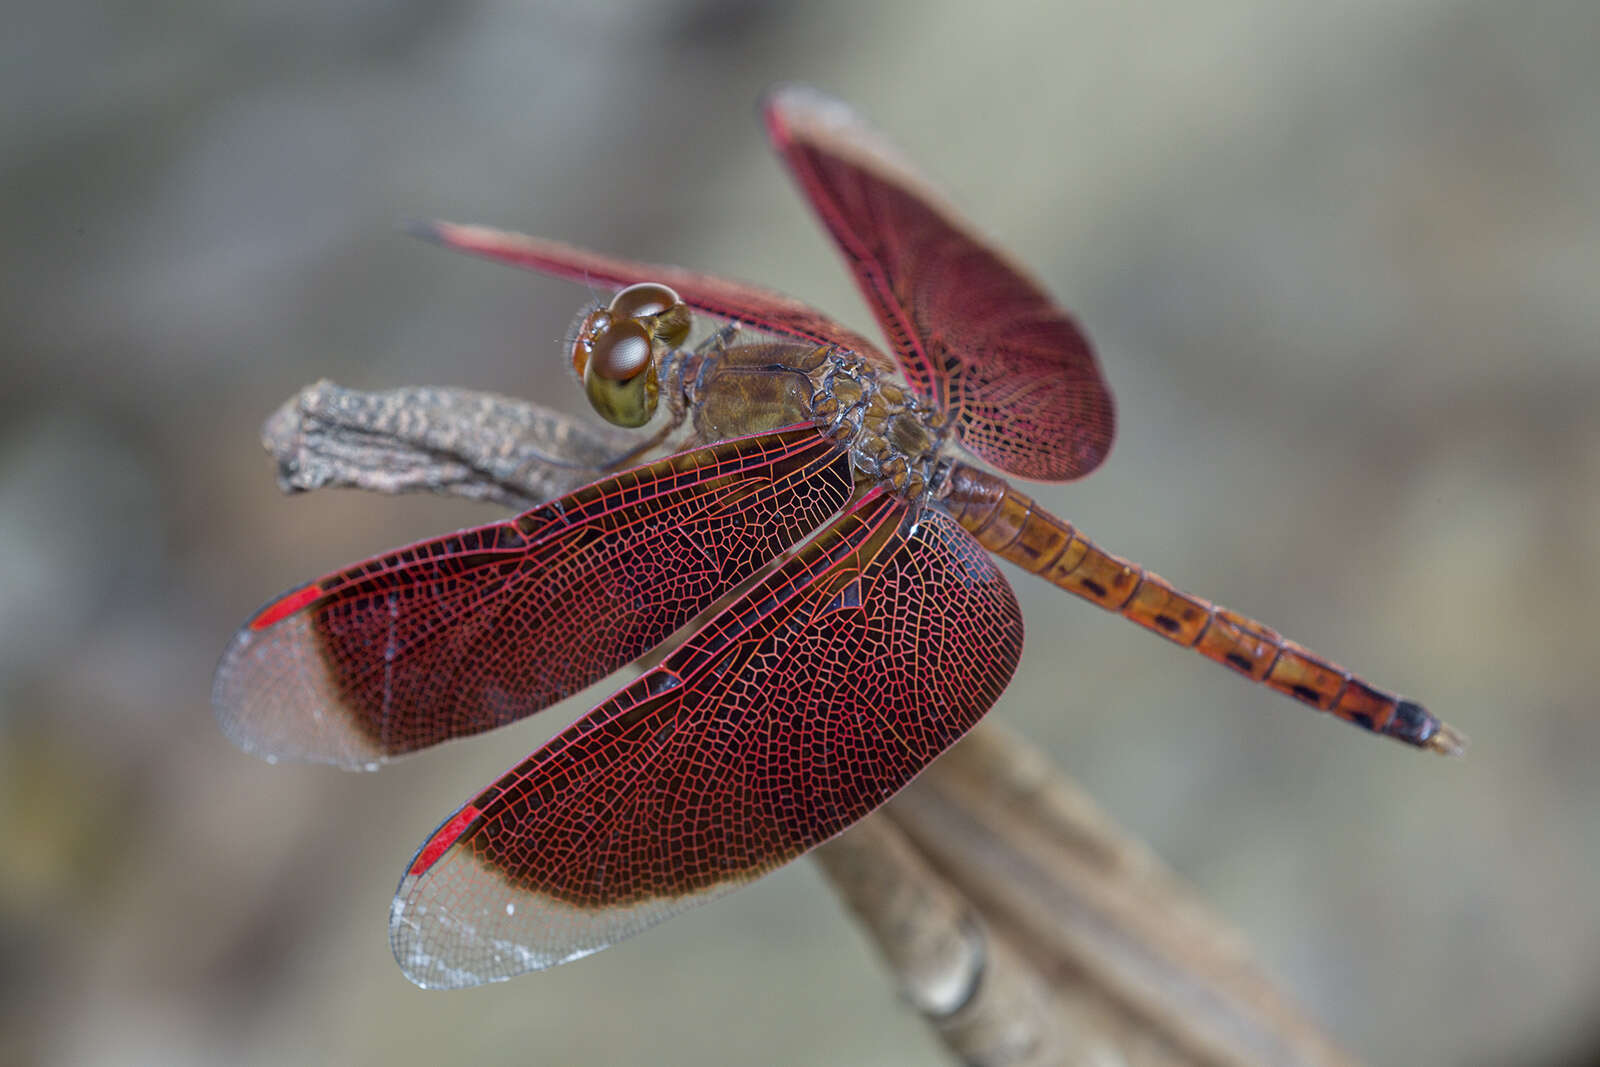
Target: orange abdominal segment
[1009,524]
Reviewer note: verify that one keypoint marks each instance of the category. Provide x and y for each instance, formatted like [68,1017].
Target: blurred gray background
[1340,261]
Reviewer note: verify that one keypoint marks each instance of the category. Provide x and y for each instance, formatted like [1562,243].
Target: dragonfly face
[872,630]
[617,348]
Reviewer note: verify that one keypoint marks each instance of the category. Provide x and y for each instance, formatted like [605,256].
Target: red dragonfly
[862,629]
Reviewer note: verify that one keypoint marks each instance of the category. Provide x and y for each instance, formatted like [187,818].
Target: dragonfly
[810,571]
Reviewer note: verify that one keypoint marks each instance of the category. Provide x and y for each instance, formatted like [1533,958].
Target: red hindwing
[787,717]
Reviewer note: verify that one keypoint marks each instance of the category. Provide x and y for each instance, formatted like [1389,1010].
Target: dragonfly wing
[972,331]
[734,301]
[793,713]
[464,633]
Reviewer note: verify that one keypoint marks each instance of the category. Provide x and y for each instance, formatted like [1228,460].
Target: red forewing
[739,302]
[973,333]
[467,632]
[797,710]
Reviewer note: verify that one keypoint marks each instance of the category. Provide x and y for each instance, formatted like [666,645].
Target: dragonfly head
[616,347]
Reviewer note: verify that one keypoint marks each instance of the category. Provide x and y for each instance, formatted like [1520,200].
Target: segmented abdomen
[1009,524]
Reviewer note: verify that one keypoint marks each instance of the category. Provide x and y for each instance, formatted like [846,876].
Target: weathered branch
[1015,917]
[453,441]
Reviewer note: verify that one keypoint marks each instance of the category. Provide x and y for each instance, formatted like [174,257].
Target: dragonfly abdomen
[1011,525]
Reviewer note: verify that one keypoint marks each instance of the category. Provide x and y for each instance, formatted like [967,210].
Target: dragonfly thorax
[739,383]
[895,438]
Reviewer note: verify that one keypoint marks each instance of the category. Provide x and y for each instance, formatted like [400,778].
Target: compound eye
[643,300]
[620,351]
[590,327]
[657,307]
[620,375]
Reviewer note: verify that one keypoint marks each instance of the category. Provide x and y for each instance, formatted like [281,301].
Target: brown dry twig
[1020,922]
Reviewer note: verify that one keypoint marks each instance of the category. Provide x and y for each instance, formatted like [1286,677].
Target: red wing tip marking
[442,839]
[285,606]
